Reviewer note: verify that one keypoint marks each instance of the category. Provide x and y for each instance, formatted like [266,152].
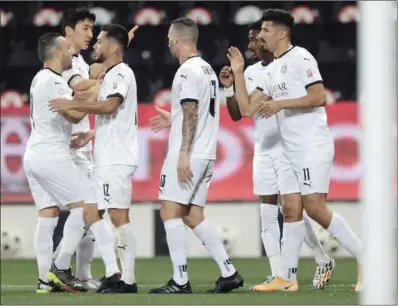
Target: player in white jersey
[188,168]
[53,177]
[293,90]
[272,172]
[116,148]
[77,25]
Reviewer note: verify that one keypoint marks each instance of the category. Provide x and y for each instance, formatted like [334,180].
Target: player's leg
[193,216]
[314,178]
[43,240]
[173,195]
[265,185]
[293,231]
[118,190]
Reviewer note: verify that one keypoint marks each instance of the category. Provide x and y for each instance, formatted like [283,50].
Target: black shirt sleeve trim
[71,78]
[189,100]
[260,89]
[313,83]
[116,95]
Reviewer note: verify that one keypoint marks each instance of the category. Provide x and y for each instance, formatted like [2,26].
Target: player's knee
[119,217]
[91,214]
[314,205]
[170,210]
[269,199]
[193,221]
[292,211]
[49,212]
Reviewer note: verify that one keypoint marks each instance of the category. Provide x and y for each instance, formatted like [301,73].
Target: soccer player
[293,91]
[77,26]
[272,172]
[188,168]
[48,163]
[116,150]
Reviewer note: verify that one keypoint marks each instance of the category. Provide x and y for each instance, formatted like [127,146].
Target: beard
[98,58]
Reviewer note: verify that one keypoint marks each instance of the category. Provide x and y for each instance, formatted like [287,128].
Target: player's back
[196,81]
[51,133]
[116,135]
[79,68]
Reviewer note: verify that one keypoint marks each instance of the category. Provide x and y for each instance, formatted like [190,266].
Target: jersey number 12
[213,96]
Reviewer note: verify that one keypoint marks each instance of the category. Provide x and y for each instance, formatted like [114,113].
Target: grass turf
[19,279]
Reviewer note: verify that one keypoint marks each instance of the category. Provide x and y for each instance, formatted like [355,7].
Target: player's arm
[309,75]
[315,97]
[77,83]
[189,123]
[73,116]
[227,79]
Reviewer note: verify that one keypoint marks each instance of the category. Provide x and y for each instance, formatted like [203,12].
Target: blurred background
[327,29]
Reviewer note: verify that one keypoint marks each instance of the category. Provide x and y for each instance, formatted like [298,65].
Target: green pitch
[19,279]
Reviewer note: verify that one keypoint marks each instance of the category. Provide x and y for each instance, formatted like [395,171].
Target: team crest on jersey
[114,85]
[61,91]
[179,87]
[284,68]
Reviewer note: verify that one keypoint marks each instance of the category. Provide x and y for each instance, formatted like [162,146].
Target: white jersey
[288,77]
[51,133]
[116,135]
[195,81]
[267,134]
[79,68]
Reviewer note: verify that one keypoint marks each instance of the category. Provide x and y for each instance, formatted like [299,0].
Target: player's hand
[60,105]
[269,108]
[236,60]
[89,95]
[132,33]
[79,140]
[161,121]
[184,168]
[226,76]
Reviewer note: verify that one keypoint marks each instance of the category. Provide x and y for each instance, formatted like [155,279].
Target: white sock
[212,241]
[341,231]
[271,235]
[312,241]
[104,241]
[44,245]
[84,256]
[293,237]
[73,233]
[126,247]
[176,236]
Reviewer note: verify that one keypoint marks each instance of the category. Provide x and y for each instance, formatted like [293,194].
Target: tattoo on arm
[189,123]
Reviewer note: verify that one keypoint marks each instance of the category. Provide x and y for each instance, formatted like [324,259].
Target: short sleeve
[118,85]
[308,71]
[187,82]
[69,74]
[260,82]
[250,84]
[60,89]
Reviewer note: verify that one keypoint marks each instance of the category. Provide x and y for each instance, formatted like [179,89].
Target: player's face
[83,33]
[254,43]
[65,53]
[101,48]
[172,42]
[270,35]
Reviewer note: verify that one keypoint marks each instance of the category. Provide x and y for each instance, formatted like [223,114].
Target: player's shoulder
[302,53]
[121,70]
[196,66]
[50,78]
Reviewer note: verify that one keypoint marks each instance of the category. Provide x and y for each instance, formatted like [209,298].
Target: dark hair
[256,26]
[45,45]
[279,17]
[117,33]
[72,17]
[187,27]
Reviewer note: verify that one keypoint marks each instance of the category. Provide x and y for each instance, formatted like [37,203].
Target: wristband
[229,92]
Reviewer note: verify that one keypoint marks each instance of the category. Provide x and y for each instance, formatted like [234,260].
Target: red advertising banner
[232,178]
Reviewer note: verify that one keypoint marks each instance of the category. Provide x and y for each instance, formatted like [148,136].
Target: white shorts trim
[55,182]
[171,189]
[114,186]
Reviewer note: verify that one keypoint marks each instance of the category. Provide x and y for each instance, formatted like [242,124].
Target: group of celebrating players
[293,154]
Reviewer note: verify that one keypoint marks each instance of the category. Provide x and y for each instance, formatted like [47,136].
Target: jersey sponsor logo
[279,90]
